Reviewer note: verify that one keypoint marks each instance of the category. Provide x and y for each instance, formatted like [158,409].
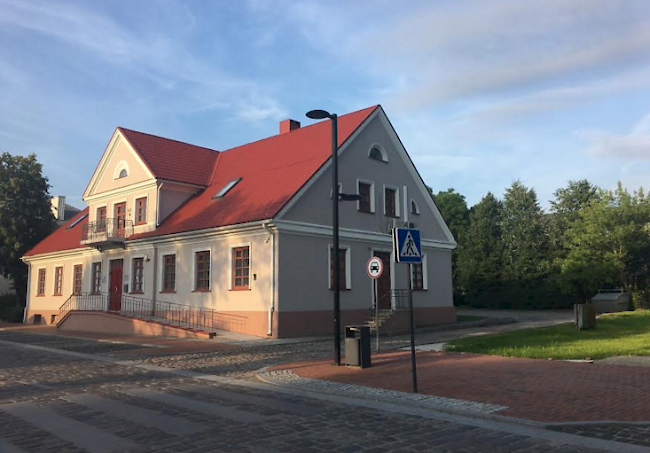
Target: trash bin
[357,346]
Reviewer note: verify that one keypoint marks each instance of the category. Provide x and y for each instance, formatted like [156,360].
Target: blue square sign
[406,242]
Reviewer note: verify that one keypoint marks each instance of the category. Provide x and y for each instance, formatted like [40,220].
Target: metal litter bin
[357,346]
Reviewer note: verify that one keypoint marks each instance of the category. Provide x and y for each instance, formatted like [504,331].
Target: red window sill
[169,291]
[243,288]
[365,212]
[57,295]
[201,290]
[137,292]
[140,223]
[40,295]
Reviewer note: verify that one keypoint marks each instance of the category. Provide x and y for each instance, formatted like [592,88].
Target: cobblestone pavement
[627,433]
[54,398]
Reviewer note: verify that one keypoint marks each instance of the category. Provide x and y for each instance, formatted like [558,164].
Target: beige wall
[120,153]
[171,197]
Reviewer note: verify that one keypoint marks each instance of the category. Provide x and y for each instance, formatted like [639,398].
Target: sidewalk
[535,390]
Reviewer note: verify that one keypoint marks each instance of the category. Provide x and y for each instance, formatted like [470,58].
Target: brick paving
[34,382]
[540,390]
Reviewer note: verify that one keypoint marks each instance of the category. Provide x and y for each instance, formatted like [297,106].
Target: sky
[482,93]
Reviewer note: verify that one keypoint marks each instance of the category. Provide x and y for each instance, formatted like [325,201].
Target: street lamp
[321,115]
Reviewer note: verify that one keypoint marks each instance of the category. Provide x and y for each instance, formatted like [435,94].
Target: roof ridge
[296,131]
[169,139]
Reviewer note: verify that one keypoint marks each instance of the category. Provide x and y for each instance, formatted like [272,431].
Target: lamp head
[318,114]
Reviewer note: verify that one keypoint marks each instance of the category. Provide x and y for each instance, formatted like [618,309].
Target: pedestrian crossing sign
[406,243]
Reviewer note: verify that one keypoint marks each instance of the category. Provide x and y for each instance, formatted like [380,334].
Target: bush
[10,309]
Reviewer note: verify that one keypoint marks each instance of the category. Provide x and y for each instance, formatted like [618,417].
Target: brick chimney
[288,126]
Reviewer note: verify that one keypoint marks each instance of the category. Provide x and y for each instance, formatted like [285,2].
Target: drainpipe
[158,204]
[155,280]
[29,290]
[273,276]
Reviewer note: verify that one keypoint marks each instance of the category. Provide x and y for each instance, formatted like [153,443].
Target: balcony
[106,234]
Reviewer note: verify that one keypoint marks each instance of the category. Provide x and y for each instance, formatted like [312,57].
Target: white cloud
[633,145]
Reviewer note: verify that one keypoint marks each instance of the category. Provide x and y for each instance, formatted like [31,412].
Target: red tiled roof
[273,170]
[63,238]
[172,160]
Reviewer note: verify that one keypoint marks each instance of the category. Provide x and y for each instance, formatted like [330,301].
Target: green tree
[525,242]
[453,208]
[25,215]
[609,244]
[481,253]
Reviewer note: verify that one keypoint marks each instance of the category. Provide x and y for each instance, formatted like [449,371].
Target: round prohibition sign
[375,267]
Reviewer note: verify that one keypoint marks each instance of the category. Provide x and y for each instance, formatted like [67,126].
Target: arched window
[377,153]
[123,173]
[414,208]
[121,170]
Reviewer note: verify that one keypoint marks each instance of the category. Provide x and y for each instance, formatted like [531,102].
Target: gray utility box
[611,300]
[357,346]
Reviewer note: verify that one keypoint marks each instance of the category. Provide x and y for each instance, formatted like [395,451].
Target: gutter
[271,237]
[158,204]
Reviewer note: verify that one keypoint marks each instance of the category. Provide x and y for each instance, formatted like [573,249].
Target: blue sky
[480,92]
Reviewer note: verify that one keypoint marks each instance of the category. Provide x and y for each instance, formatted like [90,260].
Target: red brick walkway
[548,391]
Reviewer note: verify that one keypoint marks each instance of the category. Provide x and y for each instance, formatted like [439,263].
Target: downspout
[273,276]
[155,279]
[158,204]
[29,291]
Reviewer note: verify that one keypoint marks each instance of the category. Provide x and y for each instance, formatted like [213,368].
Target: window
[138,276]
[96,278]
[40,291]
[101,219]
[77,276]
[241,268]
[141,211]
[74,224]
[58,280]
[202,271]
[224,190]
[169,273]
[123,173]
[342,268]
[390,202]
[417,276]
[376,153]
[414,208]
[366,202]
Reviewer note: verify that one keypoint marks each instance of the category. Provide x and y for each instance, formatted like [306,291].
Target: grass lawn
[625,333]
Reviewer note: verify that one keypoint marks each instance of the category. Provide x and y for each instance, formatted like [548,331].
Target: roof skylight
[73,224]
[225,189]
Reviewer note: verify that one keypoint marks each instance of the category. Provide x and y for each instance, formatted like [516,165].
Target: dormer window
[123,174]
[225,189]
[377,153]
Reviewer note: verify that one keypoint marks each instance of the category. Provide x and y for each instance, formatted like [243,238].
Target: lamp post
[336,196]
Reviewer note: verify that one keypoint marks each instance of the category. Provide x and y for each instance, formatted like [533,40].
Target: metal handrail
[107,228]
[170,313]
[399,299]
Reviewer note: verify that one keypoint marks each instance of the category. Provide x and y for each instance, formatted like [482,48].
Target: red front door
[115,286]
[383,282]
[120,219]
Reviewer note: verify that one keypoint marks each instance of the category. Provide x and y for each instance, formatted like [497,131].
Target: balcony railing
[107,231]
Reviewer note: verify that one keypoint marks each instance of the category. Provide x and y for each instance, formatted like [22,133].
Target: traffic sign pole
[374,282]
[414,370]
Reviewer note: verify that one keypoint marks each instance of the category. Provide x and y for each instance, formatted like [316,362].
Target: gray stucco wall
[315,206]
[304,274]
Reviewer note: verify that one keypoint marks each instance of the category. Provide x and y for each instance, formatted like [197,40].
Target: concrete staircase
[382,318]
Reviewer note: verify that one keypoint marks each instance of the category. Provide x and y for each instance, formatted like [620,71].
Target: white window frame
[78,263]
[382,150]
[54,278]
[161,278]
[250,263]
[135,209]
[144,273]
[372,194]
[348,265]
[397,203]
[102,268]
[37,294]
[194,252]
[417,208]
[121,165]
[425,280]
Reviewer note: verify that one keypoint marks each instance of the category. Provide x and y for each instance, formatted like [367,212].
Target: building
[245,234]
